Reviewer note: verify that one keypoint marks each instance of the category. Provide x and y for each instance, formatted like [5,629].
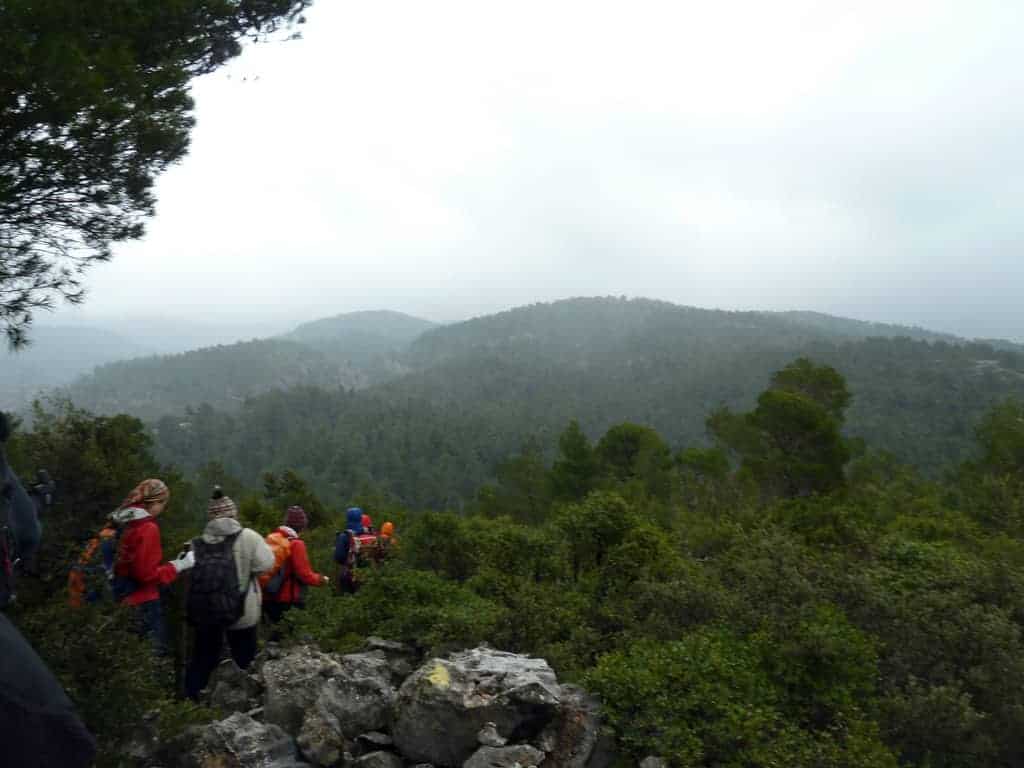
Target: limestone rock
[379,759]
[233,690]
[516,756]
[293,684]
[571,737]
[354,700]
[240,742]
[442,706]
[400,657]
[489,736]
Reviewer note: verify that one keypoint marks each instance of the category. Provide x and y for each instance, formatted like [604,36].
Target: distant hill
[369,343]
[861,329]
[475,391]
[222,376]
[55,357]
[346,351]
[375,324]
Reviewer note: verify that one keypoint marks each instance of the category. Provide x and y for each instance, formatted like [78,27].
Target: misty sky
[449,159]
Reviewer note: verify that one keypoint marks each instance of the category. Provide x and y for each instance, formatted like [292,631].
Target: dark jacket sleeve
[21,511]
[38,724]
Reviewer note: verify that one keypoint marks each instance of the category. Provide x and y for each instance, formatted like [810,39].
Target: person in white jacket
[252,557]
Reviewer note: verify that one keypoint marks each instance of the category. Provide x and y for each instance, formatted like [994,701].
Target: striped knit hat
[220,505]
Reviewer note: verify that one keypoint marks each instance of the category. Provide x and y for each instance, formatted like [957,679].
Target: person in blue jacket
[344,551]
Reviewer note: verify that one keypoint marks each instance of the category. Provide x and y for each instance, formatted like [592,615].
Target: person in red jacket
[298,574]
[138,570]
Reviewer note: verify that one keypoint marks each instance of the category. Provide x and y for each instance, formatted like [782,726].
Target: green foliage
[94,104]
[822,384]
[707,699]
[791,443]
[575,470]
[860,622]
[287,490]
[631,454]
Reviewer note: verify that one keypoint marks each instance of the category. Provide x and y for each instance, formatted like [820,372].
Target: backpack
[281,546]
[92,576]
[214,596]
[346,547]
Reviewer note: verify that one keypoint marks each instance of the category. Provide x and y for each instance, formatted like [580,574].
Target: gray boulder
[516,756]
[653,762]
[293,684]
[379,759]
[233,690]
[239,742]
[571,737]
[354,700]
[400,657]
[442,706]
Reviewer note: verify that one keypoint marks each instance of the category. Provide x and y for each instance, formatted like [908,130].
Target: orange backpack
[281,546]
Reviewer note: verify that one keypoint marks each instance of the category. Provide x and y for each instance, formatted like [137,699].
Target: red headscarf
[146,492]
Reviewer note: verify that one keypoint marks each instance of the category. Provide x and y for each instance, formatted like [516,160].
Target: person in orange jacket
[386,541]
[298,573]
[138,570]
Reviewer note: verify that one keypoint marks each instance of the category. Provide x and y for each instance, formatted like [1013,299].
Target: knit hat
[147,492]
[387,530]
[366,522]
[220,505]
[296,518]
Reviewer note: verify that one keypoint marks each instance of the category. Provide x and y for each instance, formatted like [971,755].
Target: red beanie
[296,518]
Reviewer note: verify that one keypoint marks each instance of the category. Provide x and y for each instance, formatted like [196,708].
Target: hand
[326,580]
[185,562]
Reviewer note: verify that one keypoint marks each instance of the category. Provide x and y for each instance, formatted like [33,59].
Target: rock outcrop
[477,708]
[444,704]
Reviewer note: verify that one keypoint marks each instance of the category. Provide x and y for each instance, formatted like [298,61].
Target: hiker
[88,580]
[38,723]
[228,559]
[346,547]
[138,572]
[296,572]
[386,541]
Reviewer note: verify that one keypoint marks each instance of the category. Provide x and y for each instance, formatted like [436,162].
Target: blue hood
[354,519]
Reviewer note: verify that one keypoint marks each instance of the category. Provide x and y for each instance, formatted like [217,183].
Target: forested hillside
[57,355]
[223,376]
[369,344]
[346,351]
[483,389]
[786,597]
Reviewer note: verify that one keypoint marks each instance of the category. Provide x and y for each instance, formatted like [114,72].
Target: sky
[452,159]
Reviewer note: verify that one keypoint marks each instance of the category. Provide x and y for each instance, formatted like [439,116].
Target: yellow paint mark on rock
[439,676]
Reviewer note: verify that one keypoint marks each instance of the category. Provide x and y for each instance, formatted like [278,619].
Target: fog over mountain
[862,161]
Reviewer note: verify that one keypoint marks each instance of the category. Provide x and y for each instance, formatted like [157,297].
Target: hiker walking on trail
[38,722]
[138,571]
[355,541]
[287,585]
[224,595]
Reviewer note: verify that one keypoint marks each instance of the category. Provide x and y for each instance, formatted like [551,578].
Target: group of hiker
[236,575]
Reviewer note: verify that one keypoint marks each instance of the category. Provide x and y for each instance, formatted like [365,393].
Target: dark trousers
[275,611]
[149,621]
[206,654]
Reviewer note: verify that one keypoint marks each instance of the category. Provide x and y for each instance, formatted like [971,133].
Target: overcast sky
[449,159]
